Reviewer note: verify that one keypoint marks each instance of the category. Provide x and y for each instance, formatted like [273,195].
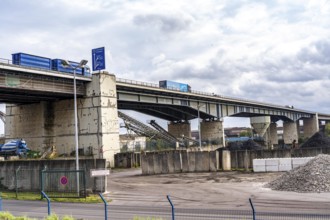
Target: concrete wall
[179,161]
[199,161]
[127,160]
[52,123]
[179,129]
[29,172]
[244,159]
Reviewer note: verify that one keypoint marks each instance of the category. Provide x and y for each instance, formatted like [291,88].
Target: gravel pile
[314,176]
[319,139]
[244,145]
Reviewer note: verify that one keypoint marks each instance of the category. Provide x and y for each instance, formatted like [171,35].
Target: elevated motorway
[173,105]
[30,85]
[21,85]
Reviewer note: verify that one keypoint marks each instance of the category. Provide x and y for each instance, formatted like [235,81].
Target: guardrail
[229,98]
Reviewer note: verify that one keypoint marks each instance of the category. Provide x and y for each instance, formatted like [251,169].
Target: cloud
[165,23]
[272,51]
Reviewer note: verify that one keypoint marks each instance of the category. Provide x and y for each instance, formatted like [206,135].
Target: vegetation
[37,196]
[9,216]
[146,218]
[327,129]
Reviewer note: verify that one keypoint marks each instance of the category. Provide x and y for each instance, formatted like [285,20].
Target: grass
[146,218]
[37,197]
[9,216]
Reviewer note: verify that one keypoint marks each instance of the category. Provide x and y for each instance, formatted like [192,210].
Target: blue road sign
[98,59]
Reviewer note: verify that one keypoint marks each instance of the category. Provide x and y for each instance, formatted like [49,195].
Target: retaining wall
[242,159]
[29,172]
[179,161]
[204,161]
[127,160]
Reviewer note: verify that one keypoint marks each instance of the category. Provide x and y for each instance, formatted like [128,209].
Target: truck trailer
[174,86]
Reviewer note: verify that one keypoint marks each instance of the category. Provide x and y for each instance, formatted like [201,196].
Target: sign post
[105,173]
[98,56]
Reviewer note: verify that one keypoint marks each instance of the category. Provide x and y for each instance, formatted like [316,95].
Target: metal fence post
[0,202]
[48,201]
[16,181]
[105,207]
[253,211]
[173,213]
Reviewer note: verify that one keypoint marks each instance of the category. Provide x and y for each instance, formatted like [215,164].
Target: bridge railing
[6,61]
[231,98]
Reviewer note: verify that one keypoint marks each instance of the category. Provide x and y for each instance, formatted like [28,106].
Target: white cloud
[273,51]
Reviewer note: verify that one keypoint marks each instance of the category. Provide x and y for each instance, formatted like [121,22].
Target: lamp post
[66,64]
[199,125]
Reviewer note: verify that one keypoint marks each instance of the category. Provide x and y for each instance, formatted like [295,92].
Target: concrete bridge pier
[212,131]
[273,138]
[48,124]
[311,126]
[290,131]
[179,129]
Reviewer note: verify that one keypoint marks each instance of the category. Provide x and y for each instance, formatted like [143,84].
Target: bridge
[40,108]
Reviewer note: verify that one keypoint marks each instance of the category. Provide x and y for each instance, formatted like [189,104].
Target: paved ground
[220,190]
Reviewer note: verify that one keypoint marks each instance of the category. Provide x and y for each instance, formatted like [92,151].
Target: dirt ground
[217,190]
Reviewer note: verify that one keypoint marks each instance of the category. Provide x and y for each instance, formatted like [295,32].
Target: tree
[327,129]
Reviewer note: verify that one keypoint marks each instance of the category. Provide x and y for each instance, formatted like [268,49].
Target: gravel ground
[218,190]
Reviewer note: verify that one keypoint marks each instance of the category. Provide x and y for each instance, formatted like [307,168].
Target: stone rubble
[314,176]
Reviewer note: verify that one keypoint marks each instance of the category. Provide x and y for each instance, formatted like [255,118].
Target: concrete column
[48,124]
[290,132]
[273,134]
[311,126]
[100,114]
[212,130]
[33,122]
[179,129]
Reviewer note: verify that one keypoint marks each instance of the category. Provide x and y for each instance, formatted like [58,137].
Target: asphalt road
[206,195]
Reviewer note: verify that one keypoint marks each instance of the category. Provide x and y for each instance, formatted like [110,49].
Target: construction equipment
[16,147]
[144,130]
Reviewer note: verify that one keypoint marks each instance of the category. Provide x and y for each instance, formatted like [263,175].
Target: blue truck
[174,86]
[24,59]
[16,147]
[29,60]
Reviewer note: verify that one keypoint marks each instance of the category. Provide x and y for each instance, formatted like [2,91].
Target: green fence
[63,183]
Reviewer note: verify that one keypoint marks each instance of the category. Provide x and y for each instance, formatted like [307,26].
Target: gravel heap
[319,139]
[244,145]
[314,176]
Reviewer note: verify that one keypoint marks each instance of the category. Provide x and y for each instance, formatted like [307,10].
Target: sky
[273,51]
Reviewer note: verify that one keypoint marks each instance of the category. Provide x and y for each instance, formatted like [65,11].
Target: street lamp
[66,64]
[199,125]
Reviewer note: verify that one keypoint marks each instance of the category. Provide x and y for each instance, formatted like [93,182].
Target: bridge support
[52,123]
[311,126]
[273,139]
[213,132]
[179,129]
[290,132]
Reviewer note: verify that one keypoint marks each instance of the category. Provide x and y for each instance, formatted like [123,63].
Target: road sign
[95,173]
[98,56]
[64,180]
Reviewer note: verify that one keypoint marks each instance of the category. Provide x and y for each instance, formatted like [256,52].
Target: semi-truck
[174,85]
[17,147]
